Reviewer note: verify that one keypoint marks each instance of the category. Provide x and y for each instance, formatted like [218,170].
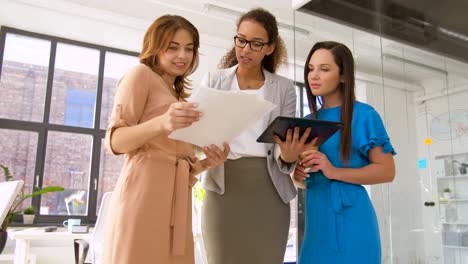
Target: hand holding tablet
[322,130]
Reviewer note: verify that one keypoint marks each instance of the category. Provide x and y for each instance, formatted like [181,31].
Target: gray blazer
[281,92]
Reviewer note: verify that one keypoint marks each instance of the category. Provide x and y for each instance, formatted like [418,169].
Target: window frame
[42,128]
[300,202]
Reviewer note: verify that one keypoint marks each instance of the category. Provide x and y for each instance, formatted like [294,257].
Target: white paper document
[226,114]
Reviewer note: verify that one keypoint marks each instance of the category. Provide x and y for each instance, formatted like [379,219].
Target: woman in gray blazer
[246,211]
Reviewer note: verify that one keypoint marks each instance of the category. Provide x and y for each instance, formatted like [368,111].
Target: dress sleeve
[129,102]
[196,168]
[373,133]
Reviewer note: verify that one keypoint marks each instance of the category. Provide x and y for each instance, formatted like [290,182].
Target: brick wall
[68,155]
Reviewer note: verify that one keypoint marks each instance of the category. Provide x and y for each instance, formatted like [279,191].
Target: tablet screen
[321,129]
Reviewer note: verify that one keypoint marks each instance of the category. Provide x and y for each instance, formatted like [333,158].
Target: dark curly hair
[268,21]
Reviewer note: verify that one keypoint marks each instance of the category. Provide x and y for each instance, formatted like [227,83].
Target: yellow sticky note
[428,141]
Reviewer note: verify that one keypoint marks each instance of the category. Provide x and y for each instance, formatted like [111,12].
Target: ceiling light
[453,34]
[387,56]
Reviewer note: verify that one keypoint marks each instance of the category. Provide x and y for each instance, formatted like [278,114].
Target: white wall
[118,32]
[447,138]
[398,204]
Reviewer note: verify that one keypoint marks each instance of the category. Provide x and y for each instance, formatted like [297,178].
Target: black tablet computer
[321,129]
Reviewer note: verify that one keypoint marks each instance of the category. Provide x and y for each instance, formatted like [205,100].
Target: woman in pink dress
[150,215]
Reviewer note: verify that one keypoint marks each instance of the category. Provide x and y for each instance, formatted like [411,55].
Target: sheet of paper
[226,114]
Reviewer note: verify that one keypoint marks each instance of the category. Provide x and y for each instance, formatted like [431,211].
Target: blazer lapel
[271,93]
[228,78]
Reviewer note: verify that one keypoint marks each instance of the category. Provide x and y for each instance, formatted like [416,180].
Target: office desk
[24,237]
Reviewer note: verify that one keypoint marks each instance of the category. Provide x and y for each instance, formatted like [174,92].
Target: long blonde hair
[156,41]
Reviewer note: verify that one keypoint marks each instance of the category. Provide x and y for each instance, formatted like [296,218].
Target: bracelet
[285,162]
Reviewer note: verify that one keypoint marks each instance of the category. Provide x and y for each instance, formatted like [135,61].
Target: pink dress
[149,219]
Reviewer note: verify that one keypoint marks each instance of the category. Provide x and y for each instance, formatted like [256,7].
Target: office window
[76,67]
[67,164]
[18,149]
[56,97]
[23,77]
[109,171]
[116,66]
[79,107]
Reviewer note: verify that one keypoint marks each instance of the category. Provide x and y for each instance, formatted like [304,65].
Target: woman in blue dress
[341,225]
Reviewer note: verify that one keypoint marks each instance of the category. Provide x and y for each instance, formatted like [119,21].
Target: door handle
[429,203]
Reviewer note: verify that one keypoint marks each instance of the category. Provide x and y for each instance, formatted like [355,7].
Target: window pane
[24,78]
[18,152]
[115,67]
[67,163]
[298,101]
[109,172]
[79,110]
[305,104]
[74,86]
[291,246]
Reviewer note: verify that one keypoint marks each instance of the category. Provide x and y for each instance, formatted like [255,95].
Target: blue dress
[341,225]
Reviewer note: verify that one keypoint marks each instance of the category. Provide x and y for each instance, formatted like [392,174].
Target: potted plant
[447,193]
[28,215]
[15,208]
[462,166]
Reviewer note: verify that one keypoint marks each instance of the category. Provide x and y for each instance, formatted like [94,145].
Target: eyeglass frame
[250,43]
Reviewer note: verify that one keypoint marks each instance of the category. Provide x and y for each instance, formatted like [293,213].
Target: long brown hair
[268,21]
[344,59]
[156,41]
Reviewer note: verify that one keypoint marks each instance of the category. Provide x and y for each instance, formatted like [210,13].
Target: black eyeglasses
[254,45]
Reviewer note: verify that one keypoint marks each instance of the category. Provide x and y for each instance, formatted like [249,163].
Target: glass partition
[421,96]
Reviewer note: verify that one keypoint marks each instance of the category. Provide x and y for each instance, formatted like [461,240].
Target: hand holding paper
[226,114]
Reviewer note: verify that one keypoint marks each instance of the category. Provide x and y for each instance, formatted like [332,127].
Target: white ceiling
[219,27]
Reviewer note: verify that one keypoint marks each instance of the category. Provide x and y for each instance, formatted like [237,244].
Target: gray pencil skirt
[248,224]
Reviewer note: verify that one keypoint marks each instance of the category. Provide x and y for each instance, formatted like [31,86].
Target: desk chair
[8,192]
[97,238]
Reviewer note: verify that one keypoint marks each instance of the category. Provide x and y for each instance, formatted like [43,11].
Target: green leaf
[198,192]
[44,190]
[29,210]
[9,219]
[6,172]
[462,164]
[13,212]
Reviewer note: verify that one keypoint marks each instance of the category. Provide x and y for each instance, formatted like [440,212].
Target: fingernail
[195,104]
